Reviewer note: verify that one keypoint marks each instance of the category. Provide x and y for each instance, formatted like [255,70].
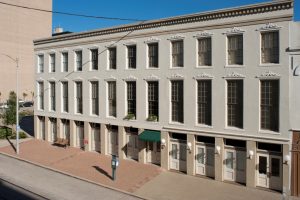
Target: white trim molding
[93,79]
[234,75]
[203,76]
[203,34]
[52,79]
[111,78]
[151,40]
[129,43]
[130,78]
[151,78]
[176,37]
[176,77]
[77,79]
[234,30]
[268,74]
[269,27]
[111,44]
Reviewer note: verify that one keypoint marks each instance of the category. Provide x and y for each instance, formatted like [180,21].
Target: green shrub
[22,135]
[5,132]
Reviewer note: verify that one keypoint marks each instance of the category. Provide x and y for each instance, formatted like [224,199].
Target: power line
[72,14]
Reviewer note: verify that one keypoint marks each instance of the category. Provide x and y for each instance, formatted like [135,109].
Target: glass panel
[210,156]
[240,160]
[174,151]
[262,165]
[229,160]
[275,167]
[200,155]
[182,153]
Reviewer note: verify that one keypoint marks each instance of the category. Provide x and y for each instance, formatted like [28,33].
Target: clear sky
[137,9]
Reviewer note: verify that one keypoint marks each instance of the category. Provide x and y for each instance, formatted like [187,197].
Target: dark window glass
[177,53]
[113,58]
[94,53]
[131,98]
[177,101]
[112,99]
[235,50]
[131,57]
[204,102]
[204,52]
[270,47]
[235,103]
[153,55]
[153,99]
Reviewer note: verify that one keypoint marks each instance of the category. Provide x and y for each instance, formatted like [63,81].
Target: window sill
[177,67]
[152,68]
[269,65]
[111,70]
[130,69]
[94,115]
[111,117]
[176,123]
[154,122]
[234,66]
[64,112]
[204,67]
[204,126]
[268,132]
[230,128]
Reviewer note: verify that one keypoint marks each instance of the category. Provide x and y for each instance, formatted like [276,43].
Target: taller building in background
[18,28]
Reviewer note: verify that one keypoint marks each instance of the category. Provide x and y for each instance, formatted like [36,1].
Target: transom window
[177,100]
[131,97]
[204,102]
[153,97]
[78,60]
[235,50]
[131,50]
[269,105]
[204,52]
[153,55]
[177,53]
[235,103]
[112,58]
[270,47]
[94,55]
[112,99]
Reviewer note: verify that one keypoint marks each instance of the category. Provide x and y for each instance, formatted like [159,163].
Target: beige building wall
[19,27]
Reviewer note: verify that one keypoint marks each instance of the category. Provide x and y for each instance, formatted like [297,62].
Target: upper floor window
[112,98]
[177,53]
[269,105]
[131,51]
[153,98]
[78,55]
[153,55]
[65,97]
[204,52]
[270,47]
[94,55]
[52,62]
[112,58]
[235,103]
[41,95]
[65,62]
[204,102]
[131,98]
[52,96]
[177,100]
[95,97]
[78,97]
[40,63]
[235,49]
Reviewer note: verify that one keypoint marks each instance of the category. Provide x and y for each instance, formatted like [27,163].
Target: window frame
[208,52]
[177,102]
[278,48]
[112,58]
[112,98]
[236,56]
[131,97]
[153,101]
[94,59]
[95,98]
[179,55]
[153,58]
[52,62]
[207,121]
[131,60]
[41,95]
[65,61]
[41,63]
[52,94]
[78,63]
[65,96]
[79,97]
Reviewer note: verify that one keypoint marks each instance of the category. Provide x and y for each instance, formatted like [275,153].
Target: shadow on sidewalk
[102,171]
[11,144]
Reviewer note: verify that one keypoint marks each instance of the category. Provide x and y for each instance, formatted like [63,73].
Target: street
[48,184]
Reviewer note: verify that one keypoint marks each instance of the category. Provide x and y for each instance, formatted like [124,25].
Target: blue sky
[140,9]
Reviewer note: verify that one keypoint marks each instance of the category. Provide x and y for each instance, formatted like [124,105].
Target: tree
[24,95]
[9,115]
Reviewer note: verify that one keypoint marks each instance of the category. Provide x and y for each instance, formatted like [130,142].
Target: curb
[73,176]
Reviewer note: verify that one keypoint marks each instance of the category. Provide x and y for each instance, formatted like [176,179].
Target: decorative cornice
[234,30]
[192,18]
[111,78]
[269,27]
[93,47]
[152,40]
[94,78]
[52,79]
[203,34]
[176,77]
[40,79]
[77,49]
[234,75]
[130,42]
[176,37]
[77,79]
[268,74]
[130,78]
[64,79]
[151,78]
[203,76]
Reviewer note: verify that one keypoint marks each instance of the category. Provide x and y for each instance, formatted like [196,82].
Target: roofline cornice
[199,17]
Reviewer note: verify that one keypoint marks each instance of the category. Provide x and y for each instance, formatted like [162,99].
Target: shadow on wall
[27,124]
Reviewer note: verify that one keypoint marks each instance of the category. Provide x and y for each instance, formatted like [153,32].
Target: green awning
[150,136]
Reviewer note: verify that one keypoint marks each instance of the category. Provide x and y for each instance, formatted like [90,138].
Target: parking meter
[114,165]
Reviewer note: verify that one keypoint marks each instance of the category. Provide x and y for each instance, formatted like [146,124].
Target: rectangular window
[95,97]
[41,95]
[52,62]
[204,102]
[131,56]
[131,98]
[177,101]
[40,63]
[78,97]
[235,50]
[112,58]
[153,55]
[269,105]
[94,55]
[177,53]
[112,98]
[78,60]
[235,103]
[204,52]
[153,97]
[65,97]
[52,96]
[270,47]
[65,62]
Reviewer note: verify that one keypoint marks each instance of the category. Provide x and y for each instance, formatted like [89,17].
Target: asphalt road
[35,182]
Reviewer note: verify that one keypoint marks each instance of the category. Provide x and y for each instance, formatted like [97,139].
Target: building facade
[207,94]
[19,27]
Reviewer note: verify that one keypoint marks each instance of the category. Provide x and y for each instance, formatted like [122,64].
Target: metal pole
[17,106]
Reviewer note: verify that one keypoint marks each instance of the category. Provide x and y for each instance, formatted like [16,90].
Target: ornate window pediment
[93,47]
[52,79]
[40,79]
[130,42]
[203,34]
[234,30]
[130,78]
[78,49]
[111,44]
[176,37]
[268,74]
[152,40]
[151,78]
[78,79]
[269,27]
[203,76]
[234,75]
[176,77]
[111,78]
[94,78]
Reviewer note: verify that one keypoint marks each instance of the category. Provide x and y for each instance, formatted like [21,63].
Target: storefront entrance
[132,142]
[95,137]
[153,152]
[42,128]
[178,155]
[205,160]
[235,165]
[79,134]
[53,129]
[113,140]
[66,129]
